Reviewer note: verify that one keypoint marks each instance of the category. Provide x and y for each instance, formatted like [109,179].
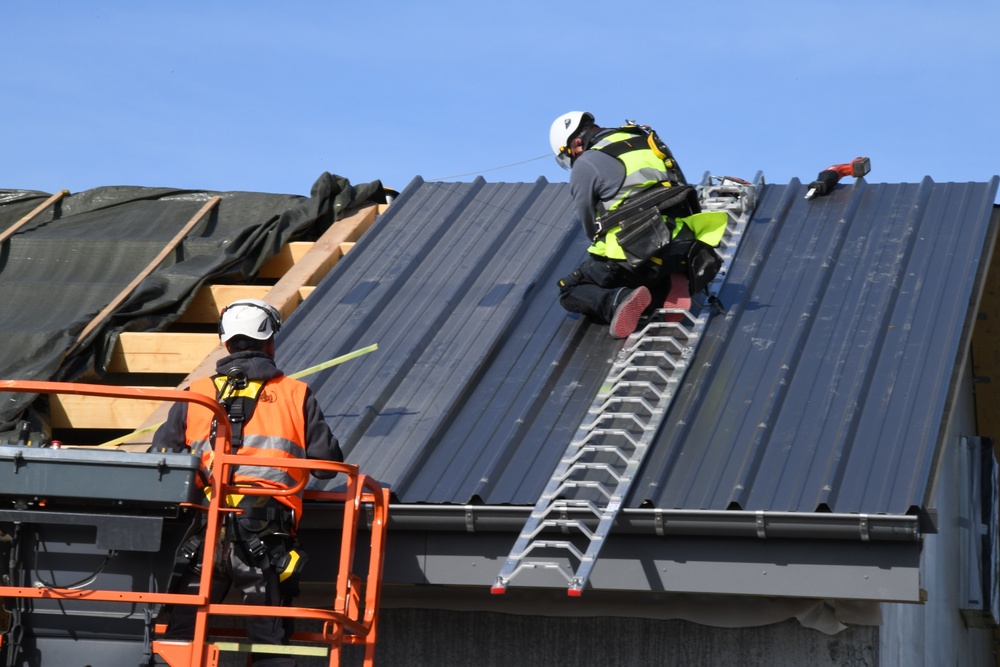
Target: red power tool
[829,177]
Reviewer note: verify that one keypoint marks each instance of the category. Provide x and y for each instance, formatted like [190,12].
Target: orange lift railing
[351,618]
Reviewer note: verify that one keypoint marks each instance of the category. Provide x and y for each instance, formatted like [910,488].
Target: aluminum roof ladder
[593,478]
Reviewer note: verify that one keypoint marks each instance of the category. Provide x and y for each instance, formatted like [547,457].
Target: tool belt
[256,521]
[262,534]
[647,220]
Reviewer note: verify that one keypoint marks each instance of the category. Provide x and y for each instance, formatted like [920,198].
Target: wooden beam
[315,264]
[292,254]
[117,301]
[285,296]
[160,352]
[168,352]
[286,258]
[211,299]
[79,411]
[7,233]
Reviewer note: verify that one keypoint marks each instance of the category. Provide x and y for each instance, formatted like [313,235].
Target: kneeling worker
[651,245]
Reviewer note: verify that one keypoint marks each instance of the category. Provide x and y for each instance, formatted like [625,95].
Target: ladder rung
[567,485]
[556,544]
[596,449]
[564,504]
[595,466]
[618,400]
[618,416]
[606,431]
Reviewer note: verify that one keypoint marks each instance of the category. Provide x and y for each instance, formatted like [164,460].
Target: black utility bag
[644,231]
[696,259]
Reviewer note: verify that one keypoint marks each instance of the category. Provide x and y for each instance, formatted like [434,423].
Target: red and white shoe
[679,297]
[628,312]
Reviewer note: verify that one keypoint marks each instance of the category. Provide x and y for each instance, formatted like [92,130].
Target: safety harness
[656,220]
[645,174]
[646,137]
[238,395]
[260,517]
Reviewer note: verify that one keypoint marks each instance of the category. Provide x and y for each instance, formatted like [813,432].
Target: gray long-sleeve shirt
[596,177]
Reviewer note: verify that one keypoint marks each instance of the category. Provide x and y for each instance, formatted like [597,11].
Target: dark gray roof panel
[822,387]
[478,374]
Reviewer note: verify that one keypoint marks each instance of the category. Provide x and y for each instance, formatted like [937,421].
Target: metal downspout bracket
[595,473]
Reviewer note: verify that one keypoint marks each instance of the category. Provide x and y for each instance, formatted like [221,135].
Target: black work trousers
[593,289]
[257,581]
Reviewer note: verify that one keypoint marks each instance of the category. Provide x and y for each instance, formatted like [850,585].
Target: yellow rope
[301,374]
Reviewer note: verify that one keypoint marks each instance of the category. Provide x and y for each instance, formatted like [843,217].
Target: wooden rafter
[162,255]
[195,354]
[7,233]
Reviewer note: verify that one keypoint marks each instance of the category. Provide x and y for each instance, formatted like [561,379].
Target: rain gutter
[658,522]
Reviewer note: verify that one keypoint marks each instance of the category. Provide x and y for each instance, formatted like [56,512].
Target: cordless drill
[829,177]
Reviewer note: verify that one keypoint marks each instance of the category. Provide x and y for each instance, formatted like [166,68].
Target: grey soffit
[822,388]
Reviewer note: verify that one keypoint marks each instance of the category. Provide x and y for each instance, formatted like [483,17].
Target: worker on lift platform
[271,416]
[652,247]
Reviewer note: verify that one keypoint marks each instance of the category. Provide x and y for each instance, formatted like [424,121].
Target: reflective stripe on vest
[276,430]
[643,168]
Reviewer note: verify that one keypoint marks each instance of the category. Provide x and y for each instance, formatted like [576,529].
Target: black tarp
[62,268]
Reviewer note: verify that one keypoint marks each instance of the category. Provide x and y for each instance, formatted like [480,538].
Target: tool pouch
[643,237]
[647,220]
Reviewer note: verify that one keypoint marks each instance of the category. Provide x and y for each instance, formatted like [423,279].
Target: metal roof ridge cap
[759,524]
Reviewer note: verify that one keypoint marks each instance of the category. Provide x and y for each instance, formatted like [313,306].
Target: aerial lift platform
[87,544]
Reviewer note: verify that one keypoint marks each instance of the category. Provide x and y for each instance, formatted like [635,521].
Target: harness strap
[237,417]
[185,555]
[647,138]
[635,203]
[239,396]
[249,539]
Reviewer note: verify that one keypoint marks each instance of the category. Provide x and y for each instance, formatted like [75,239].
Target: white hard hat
[562,129]
[249,317]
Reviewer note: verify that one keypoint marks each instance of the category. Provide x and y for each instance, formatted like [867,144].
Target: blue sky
[264,97]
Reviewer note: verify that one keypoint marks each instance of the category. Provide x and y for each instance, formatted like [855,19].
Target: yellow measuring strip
[301,374]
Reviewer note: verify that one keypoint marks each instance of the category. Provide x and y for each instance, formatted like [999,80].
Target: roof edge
[658,522]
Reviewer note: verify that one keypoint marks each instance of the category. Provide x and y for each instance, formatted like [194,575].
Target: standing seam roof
[821,388]
[825,385]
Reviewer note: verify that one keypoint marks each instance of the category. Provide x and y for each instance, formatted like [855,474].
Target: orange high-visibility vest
[275,430]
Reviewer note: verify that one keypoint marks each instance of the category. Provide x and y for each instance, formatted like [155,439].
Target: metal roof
[823,387]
